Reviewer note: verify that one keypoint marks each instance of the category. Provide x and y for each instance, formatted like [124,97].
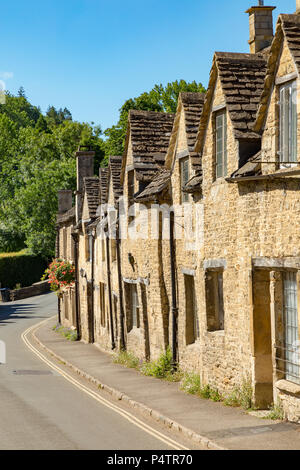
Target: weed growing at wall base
[276,412]
[241,396]
[191,384]
[127,359]
[162,368]
[69,333]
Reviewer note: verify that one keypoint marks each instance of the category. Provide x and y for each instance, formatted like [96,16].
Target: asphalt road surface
[39,409]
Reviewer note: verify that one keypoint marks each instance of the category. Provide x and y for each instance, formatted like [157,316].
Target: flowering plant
[61,274]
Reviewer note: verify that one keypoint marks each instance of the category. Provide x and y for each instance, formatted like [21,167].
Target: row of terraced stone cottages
[191,238]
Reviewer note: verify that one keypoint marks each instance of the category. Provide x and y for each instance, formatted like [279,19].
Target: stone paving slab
[222,426]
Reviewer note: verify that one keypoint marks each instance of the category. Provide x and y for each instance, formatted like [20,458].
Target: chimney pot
[261,26]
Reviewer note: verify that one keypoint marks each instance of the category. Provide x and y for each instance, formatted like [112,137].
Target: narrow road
[39,409]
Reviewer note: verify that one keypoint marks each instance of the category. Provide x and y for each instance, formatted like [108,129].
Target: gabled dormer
[115,189]
[278,113]
[180,166]
[226,138]
[89,211]
[147,142]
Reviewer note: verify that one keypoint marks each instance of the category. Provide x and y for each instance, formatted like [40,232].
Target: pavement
[212,425]
[44,407]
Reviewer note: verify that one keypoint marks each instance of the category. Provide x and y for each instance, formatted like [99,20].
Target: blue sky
[92,55]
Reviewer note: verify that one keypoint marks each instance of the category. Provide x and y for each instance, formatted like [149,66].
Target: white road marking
[130,417]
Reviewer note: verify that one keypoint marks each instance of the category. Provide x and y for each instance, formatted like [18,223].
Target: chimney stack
[261,26]
[298,6]
[64,200]
[85,168]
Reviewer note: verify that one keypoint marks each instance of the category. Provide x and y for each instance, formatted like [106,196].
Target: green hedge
[21,268]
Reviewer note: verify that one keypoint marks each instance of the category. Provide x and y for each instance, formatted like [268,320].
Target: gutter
[122,326]
[78,328]
[92,288]
[113,344]
[57,256]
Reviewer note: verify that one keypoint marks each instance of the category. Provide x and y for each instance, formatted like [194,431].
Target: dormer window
[288,124]
[130,189]
[221,143]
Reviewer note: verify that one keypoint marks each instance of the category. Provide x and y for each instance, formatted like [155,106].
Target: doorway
[262,340]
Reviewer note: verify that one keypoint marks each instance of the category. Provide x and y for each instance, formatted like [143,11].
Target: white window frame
[288,124]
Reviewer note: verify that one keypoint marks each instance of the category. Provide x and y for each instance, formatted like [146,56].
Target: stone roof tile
[115,165]
[91,189]
[251,168]
[245,73]
[150,134]
[157,185]
[66,217]
[103,185]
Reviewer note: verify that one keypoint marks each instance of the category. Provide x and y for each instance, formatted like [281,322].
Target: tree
[160,98]
[42,125]
[21,92]
[36,160]
[56,117]
[20,110]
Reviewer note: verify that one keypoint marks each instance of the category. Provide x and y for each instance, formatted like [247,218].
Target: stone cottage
[191,238]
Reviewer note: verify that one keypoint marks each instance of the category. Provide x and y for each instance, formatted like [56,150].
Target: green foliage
[162,368]
[11,242]
[56,117]
[276,412]
[241,396]
[36,160]
[21,268]
[160,98]
[191,384]
[13,254]
[19,110]
[126,359]
[68,333]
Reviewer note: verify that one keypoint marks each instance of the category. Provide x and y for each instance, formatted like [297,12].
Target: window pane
[288,123]
[134,305]
[293,156]
[291,327]
[221,144]
[184,176]
[225,145]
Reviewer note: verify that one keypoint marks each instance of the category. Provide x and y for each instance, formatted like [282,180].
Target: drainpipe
[113,345]
[174,294]
[57,256]
[118,247]
[92,286]
[75,237]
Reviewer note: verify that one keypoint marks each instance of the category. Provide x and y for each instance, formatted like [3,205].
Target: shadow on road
[11,312]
